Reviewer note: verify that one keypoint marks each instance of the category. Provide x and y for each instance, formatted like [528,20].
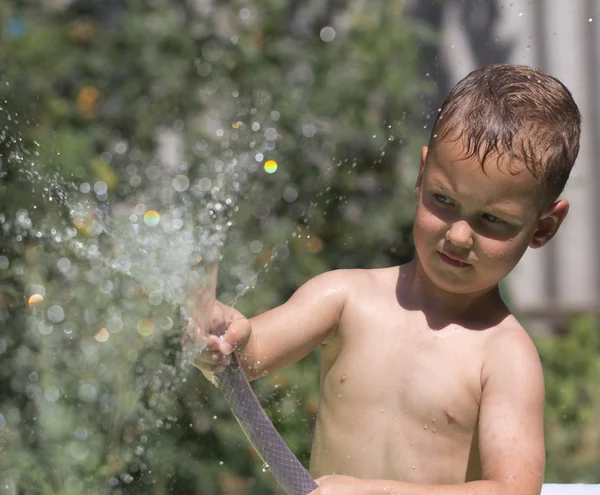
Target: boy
[428,384]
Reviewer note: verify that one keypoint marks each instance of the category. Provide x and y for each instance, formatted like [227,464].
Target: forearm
[259,360]
[249,361]
[384,487]
[347,485]
[278,341]
[483,487]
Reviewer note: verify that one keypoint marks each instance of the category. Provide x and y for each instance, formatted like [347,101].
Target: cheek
[505,252]
[426,223]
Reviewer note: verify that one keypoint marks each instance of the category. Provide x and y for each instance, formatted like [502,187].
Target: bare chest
[405,371]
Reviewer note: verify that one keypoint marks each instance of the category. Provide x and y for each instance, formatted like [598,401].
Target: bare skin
[428,384]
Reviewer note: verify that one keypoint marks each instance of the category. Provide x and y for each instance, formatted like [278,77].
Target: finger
[204,345]
[224,347]
[221,317]
[236,336]
[213,343]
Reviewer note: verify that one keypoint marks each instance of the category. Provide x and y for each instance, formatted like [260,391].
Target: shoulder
[346,285]
[354,278]
[331,286]
[509,351]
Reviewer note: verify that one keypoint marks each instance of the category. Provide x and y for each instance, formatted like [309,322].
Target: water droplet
[145,327]
[181,183]
[35,299]
[327,34]
[270,134]
[270,167]
[52,394]
[424,427]
[102,335]
[55,313]
[151,218]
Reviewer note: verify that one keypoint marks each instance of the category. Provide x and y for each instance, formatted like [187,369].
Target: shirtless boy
[428,384]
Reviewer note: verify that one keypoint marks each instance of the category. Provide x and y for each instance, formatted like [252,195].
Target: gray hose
[263,436]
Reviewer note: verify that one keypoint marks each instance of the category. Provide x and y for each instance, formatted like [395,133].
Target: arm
[286,334]
[511,436]
[278,337]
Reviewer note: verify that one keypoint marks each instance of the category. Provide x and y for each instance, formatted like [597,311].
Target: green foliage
[572,368]
[97,401]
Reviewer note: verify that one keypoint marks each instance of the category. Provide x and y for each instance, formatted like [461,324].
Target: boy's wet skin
[399,400]
[403,370]
[429,385]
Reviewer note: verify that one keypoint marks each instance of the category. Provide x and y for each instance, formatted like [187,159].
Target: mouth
[452,261]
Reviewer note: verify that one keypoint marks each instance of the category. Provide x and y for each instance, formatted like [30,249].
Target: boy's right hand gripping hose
[283,464]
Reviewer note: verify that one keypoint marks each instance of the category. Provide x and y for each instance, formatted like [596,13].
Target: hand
[340,485]
[215,341]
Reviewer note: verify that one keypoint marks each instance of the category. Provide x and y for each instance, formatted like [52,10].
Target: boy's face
[473,225]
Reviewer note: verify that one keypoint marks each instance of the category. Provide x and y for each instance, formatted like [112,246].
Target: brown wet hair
[514,109]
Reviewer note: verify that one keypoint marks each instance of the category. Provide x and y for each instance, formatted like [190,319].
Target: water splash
[109,278]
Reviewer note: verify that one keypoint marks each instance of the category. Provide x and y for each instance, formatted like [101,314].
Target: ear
[549,223]
[424,151]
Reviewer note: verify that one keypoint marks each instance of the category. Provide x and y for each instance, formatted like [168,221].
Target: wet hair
[517,110]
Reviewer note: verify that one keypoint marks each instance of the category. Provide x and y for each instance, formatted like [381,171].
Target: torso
[398,399]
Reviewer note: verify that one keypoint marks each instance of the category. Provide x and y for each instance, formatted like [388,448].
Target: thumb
[236,335]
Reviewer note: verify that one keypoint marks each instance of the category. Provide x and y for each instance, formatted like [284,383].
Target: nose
[460,234]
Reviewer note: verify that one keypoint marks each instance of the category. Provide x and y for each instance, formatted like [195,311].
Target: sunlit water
[109,282]
[108,279]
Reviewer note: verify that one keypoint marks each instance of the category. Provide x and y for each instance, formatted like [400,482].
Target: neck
[420,293]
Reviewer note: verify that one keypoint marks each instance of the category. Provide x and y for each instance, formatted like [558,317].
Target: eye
[443,199]
[493,219]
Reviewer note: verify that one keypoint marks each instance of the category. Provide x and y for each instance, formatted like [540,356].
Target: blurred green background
[90,93]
